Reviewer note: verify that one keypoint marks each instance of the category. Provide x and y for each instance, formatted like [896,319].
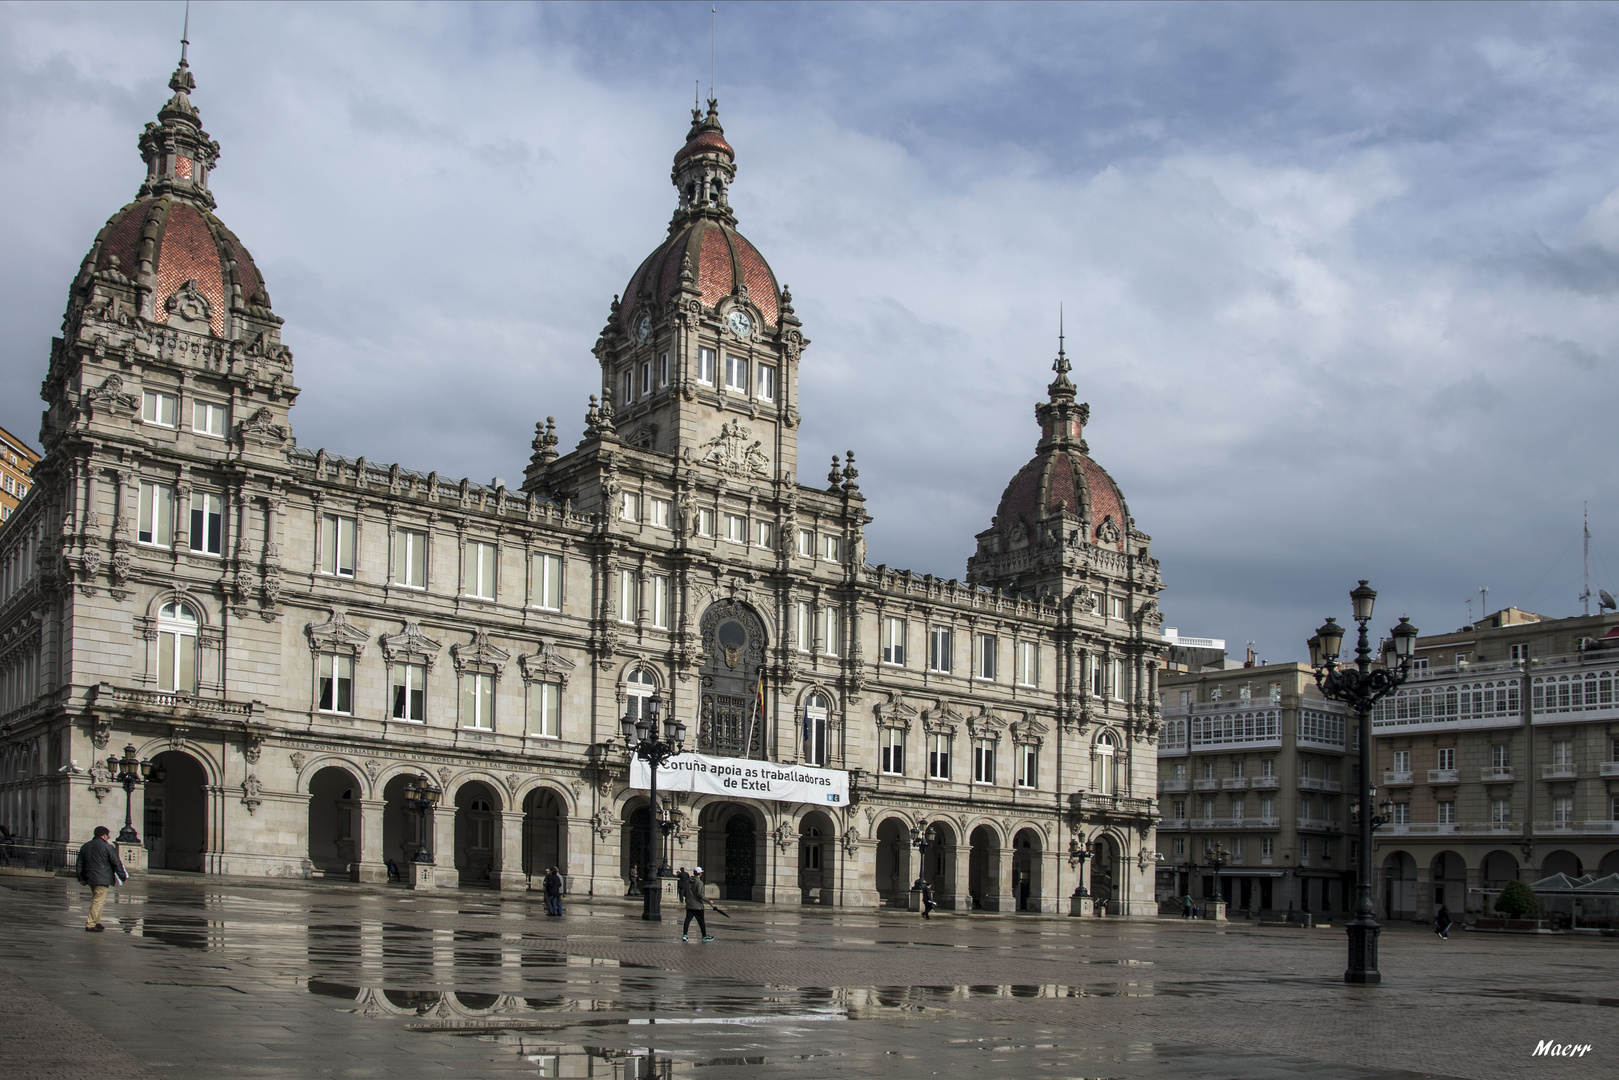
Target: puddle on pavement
[1549,996]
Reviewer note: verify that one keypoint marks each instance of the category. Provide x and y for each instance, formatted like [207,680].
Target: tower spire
[179,155]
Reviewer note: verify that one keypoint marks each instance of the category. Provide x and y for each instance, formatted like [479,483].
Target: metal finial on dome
[185,33]
[1060,365]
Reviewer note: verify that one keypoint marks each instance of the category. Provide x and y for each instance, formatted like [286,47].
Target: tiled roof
[705,142]
[719,255]
[1060,476]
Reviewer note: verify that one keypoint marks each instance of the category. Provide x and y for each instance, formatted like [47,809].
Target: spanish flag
[759,697]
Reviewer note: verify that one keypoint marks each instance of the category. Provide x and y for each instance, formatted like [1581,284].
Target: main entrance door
[739,846]
[732,722]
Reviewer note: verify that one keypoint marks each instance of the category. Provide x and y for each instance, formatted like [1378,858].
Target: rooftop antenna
[1469,611]
[1483,602]
[1585,526]
[713,32]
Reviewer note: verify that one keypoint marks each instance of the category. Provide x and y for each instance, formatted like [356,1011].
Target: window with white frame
[1267,768]
[1236,850]
[478,569]
[629,506]
[767,383]
[706,366]
[1116,607]
[893,632]
[1501,756]
[1098,677]
[1518,652]
[658,512]
[335,675]
[337,545]
[478,700]
[1239,768]
[410,558]
[736,528]
[1105,764]
[1179,811]
[983,761]
[208,419]
[628,601]
[1402,814]
[803,627]
[663,369]
[736,373]
[1208,809]
[1028,664]
[626,384]
[1208,769]
[939,756]
[639,686]
[1117,688]
[832,630]
[1267,848]
[815,717]
[1402,761]
[1447,812]
[764,534]
[176,648]
[409,692]
[806,543]
[1562,754]
[1028,765]
[545,710]
[705,523]
[1239,807]
[1562,812]
[156,524]
[1267,808]
[548,582]
[159,408]
[1500,811]
[1446,758]
[941,643]
[1178,847]
[832,548]
[986,656]
[892,745]
[646,378]
[660,601]
[207,523]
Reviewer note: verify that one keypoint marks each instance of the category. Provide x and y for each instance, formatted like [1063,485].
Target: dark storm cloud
[1339,278]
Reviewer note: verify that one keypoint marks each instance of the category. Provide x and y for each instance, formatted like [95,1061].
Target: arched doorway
[401,825]
[1561,862]
[1400,886]
[984,869]
[940,868]
[632,845]
[1105,874]
[817,854]
[176,831]
[731,722]
[741,846]
[1026,870]
[894,862]
[544,818]
[334,821]
[1448,874]
[1498,868]
[477,833]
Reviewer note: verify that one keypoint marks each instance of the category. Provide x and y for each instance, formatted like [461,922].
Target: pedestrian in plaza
[101,869]
[928,903]
[635,881]
[1441,922]
[1186,906]
[553,891]
[692,895]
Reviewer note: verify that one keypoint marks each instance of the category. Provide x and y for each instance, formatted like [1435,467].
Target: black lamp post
[1078,852]
[922,836]
[642,738]
[1360,687]
[421,797]
[130,770]
[1216,858]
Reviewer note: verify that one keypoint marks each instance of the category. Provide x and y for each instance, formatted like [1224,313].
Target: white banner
[745,778]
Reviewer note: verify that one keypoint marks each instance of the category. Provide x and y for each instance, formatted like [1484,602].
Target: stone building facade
[294,636]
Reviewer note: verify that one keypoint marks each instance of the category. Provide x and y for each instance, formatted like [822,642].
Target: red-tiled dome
[705,142]
[1062,479]
[720,258]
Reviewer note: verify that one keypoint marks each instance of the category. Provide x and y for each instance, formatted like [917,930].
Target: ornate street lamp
[1078,852]
[130,770]
[421,796]
[641,737]
[1216,857]
[922,837]
[1360,687]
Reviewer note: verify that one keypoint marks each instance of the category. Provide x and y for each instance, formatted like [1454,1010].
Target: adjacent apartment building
[1254,763]
[17,461]
[1499,759]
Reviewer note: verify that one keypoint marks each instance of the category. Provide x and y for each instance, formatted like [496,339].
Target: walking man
[101,869]
[1186,906]
[553,891]
[692,895]
[928,903]
[1441,922]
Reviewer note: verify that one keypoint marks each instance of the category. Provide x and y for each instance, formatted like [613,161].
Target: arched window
[640,686]
[177,648]
[815,714]
[1106,778]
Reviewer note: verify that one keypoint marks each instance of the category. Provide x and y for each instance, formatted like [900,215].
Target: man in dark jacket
[692,894]
[553,891]
[101,869]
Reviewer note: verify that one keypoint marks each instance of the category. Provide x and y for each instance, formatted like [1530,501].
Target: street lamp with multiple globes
[923,836]
[130,770]
[421,797]
[641,737]
[1360,687]
[1078,852]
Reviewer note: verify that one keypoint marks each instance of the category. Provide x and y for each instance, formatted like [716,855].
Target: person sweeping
[692,895]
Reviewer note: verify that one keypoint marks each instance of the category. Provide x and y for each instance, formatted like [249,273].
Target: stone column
[998,885]
[782,875]
[372,865]
[1051,896]
[446,876]
[952,892]
[510,876]
[857,875]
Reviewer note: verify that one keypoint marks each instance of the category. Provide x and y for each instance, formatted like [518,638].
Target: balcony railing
[1210,824]
[1559,772]
[1577,826]
[1495,776]
[1174,785]
[1443,776]
[1206,783]
[1396,779]
[1451,828]
[1319,825]
[1315,783]
[1609,768]
[1234,783]
[1260,783]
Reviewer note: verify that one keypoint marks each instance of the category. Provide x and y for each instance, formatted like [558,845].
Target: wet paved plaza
[207,977]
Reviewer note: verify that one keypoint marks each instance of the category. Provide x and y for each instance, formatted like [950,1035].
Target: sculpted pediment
[546,663]
[410,642]
[337,633]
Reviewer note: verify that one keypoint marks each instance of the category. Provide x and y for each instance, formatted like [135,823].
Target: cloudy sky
[1340,281]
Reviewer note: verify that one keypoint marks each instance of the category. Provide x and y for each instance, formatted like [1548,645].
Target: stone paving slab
[210,977]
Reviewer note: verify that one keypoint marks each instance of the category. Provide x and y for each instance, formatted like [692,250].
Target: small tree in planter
[1517,900]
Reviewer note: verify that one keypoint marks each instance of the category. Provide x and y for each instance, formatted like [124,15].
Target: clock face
[740,323]
[643,329]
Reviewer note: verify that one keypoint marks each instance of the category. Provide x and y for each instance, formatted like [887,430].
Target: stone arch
[941,866]
[178,594]
[1399,885]
[1447,876]
[333,835]
[1497,868]
[1561,861]
[545,828]
[402,827]
[893,862]
[1109,871]
[638,680]
[733,847]
[985,868]
[306,774]
[817,857]
[180,809]
[1609,864]
[1028,848]
[478,802]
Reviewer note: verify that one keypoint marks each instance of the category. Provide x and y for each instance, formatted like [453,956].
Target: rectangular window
[629,508]
[1179,847]
[626,392]
[983,761]
[156,515]
[478,701]
[1028,770]
[1239,807]
[1099,678]
[1116,607]
[1236,850]
[894,641]
[1267,768]
[1402,761]
[545,710]
[1267,808]
[208,419]
[176,662]
[1179,810]
[705,523]
[663,369]
[1501,756]
[986,656]
[337,545]
[658,512]
[815,733]
[548,582]
[1116,686]
[767,383]
[1519,652]
[159,408]
[1028,664]
[410,558]
[832,548]
[336,675]
[479,570]
[646,378]
[806,543]
[660,601]
[736,374]
[893,751]
[1447,757]
[832,630]
[1402,813]
[803,628]
[1267,846]
[1447,813]
[765,534]
[940,642]
[628,601]
[705,366]
[1562,813]
[1208,806]
[1304,850]
[736,528]
[1500,811]
[939,756]
[1239,768]
[409,692]
[207,523]
[1562,754]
